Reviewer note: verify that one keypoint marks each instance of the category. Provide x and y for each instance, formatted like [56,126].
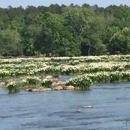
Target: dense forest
[60,30]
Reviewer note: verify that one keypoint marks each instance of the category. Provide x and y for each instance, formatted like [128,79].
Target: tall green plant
[12,87]
[82,83]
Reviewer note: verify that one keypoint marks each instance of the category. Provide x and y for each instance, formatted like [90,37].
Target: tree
[49,39]
[17,23]
[77,23]
[109,33]
[120,42]
[55,9]
[10,42]
[92,43]
[30,34]
[64,30]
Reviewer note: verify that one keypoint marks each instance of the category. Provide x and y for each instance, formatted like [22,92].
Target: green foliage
[10,42]
[85,82]
[82,83]
[55,76]
[64,30]
[46,83]
[12,87]
[31,80]
[120,41]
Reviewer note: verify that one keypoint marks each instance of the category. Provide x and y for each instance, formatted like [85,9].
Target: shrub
[82,83]
[46,83]
[12,87]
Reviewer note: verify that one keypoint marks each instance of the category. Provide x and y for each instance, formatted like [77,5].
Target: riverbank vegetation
[89,42]
[64,30]
[33,73]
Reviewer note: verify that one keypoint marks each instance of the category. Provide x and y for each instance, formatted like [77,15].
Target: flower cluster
[12,87]
[46,83]
[83,82]
[31,80]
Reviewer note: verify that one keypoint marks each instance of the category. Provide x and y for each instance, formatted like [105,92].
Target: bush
[46,83]
[12,87]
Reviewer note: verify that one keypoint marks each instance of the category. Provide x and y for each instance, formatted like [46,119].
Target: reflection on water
[56,110]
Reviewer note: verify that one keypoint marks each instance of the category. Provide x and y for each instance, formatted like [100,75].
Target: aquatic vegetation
[32,80]
[55,76]
[47,83]
[12,87]
[92,69]
[85,82]
[107,77]
[82,83]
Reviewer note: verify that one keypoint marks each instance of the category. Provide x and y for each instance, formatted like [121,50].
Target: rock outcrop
[70,87]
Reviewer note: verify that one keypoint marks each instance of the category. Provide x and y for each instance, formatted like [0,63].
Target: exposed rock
[54,84]
[59,83]
[10,80]
[2,85]
[70,87]
[48,77]
[58,88]
[35,90]
[41,89]
[47,89]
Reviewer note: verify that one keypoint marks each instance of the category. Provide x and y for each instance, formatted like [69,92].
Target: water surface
[57,110]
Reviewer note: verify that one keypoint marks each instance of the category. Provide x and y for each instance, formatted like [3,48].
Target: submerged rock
[39,89]
[79,110]
[87,106]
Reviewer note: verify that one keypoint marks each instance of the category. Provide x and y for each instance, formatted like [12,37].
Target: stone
[48,77]
[54,84]
[40,89]
[79,110]
[2,85]
[59,83]
[70,87]
[88,106]
[58,88]
[47,89]
[34,90]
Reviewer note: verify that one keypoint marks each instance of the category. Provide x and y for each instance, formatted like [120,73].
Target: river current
[57,110]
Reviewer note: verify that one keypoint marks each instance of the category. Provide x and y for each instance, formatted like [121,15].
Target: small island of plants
[42,74]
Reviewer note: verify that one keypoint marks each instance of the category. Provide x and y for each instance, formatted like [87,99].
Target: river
[57,110]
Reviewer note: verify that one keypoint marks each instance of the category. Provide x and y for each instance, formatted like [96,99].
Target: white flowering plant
[82,83]
[46,83]
[31,80]
[12,87]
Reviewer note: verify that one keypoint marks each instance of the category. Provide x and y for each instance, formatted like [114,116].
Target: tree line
[62,30]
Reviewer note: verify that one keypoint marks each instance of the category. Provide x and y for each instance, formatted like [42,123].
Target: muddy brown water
[57,110]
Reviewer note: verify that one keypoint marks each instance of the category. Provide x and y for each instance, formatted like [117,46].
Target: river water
[57,110]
